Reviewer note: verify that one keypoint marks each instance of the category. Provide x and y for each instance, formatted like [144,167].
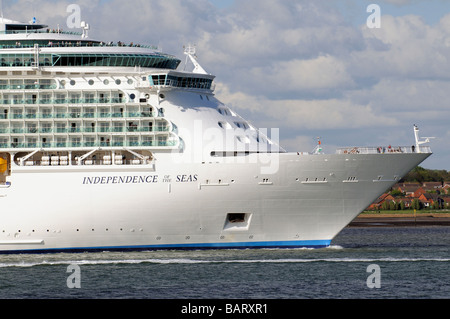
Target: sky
[310,68]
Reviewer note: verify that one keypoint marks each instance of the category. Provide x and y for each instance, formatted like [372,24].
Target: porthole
[224,125]
[130,81]
[106,82]
[118,82]
[162,96]
[91,82]
[243,139]
[224,111]
[72,82]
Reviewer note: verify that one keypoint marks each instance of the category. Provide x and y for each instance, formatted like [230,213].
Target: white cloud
[399,2]
[305,114]
[412,49]
[320,73]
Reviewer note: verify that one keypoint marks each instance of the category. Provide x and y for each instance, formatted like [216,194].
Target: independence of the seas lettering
[138,179]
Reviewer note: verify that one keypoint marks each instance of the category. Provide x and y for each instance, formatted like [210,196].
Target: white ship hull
[187,206]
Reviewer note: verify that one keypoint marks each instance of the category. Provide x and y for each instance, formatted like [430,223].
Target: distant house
[446,201]
[446,188]
[419,192]
[407,188]
[407,201]
[379,202]
[432,199]
[430,186]
[427,199]
[429,194]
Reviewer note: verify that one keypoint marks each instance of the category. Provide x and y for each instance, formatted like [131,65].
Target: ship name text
[138,179]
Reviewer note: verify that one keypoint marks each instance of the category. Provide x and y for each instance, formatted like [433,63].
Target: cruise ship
[116,146]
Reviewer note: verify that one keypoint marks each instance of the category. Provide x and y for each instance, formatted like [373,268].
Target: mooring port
[236,218]
[237,221]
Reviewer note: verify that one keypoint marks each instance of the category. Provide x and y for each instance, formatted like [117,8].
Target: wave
[195,261]
[337,247]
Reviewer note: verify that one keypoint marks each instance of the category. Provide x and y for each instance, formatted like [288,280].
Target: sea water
[362,263]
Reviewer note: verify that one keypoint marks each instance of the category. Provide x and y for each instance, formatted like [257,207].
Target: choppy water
[413,263]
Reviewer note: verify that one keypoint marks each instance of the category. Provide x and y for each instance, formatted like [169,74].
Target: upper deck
[31,45]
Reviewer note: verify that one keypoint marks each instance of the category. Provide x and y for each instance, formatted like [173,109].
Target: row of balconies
[101,129]
[87,144]
[28,87]
[17,115]
[79,142]
[62,101]
[65,130]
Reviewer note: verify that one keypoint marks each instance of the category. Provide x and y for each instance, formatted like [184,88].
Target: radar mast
[190,51]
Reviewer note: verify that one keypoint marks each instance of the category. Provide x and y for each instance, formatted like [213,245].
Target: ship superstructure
[107,146]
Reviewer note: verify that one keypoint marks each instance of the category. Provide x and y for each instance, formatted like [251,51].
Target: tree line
[421,175]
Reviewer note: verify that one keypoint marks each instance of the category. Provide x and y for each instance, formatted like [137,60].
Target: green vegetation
[421,175]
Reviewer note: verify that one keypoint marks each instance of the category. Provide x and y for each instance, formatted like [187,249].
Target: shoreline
[400,220]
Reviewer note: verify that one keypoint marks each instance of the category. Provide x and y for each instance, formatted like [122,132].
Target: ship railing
[169,84]
[28,87]
[58,31]
[91,115]
[383,150]
[60,130]
[63,101]
[71,43]
[64,161]
[150,143]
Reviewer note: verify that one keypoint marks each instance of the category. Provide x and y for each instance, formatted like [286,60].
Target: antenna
[86,27]
[318,148]
[418,142]
[190,53]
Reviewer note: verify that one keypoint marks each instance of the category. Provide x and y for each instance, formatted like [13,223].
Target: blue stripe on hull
[240,245]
